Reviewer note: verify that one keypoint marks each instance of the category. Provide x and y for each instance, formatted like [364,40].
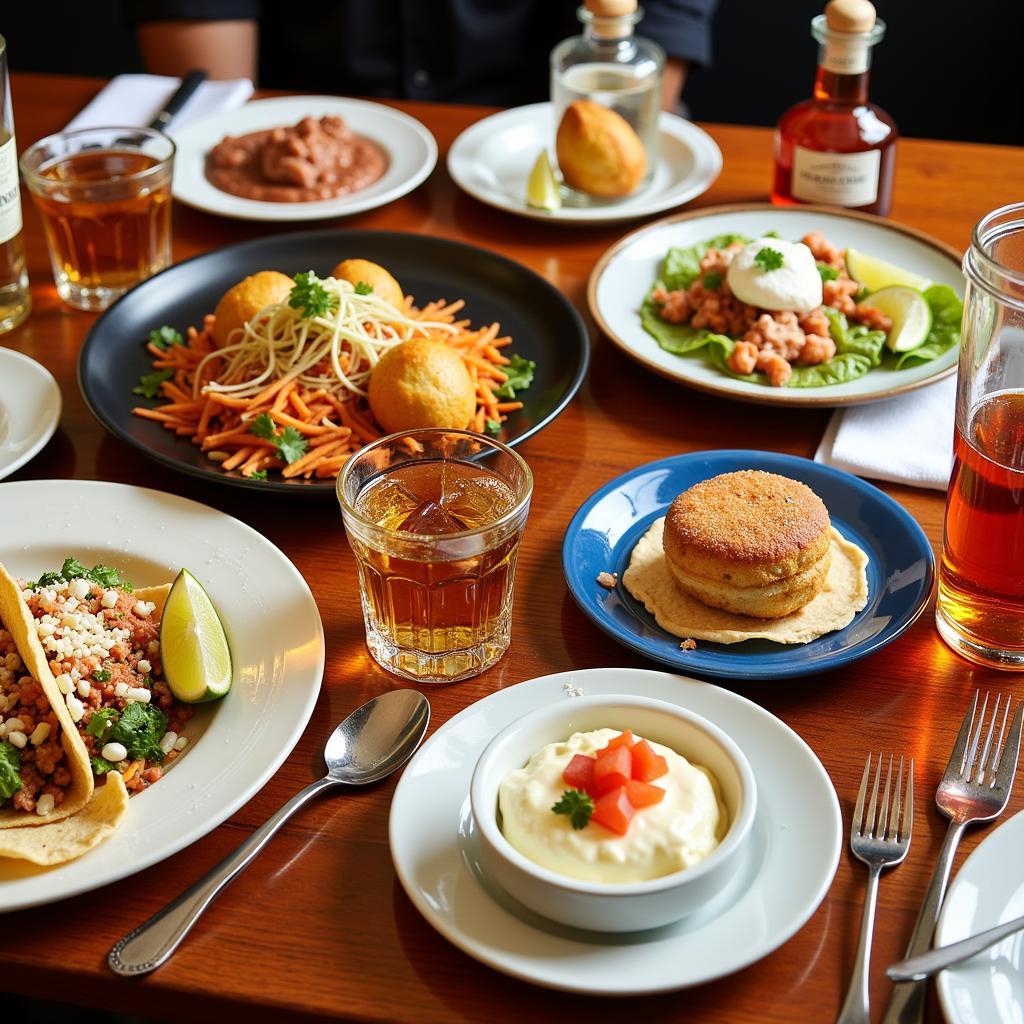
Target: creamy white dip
[796,285]
[676,833]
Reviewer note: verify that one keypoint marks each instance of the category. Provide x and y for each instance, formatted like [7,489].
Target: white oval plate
[411,150]
[792,857]
[277,643]
[30,406]
[988,890]
[624,274]
[492,160]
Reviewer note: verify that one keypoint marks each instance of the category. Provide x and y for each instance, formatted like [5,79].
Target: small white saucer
[30,406]
[492,160]
[792,857]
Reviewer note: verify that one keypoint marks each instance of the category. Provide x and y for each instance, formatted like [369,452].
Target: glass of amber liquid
[980,611]
[435,518]
[104,195]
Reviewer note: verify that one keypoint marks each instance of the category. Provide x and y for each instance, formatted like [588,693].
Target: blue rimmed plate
[602,534]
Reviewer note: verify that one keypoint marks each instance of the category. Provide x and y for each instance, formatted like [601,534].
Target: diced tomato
[647,765]
[643,794]
[613,768]
[579,773]
[614,811]
[624,739]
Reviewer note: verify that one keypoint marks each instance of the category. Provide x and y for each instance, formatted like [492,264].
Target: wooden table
[320,926]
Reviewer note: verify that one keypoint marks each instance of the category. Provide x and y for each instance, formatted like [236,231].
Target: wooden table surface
[320,927]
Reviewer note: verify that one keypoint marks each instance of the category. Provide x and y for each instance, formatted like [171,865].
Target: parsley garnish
[362,288]
[520,377]
[100,765]
[72,569]
[577,804]
[164,337]
[101,722]
[712,279]
[10,770]
[140,728]
[263,426]
[149,383]
[768,259]
[310,296]
[258,474]
[492,427]
[827,273]
[102,676]
[290,444]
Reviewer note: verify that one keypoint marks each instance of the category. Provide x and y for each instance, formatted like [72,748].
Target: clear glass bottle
[611,66]
[15,301]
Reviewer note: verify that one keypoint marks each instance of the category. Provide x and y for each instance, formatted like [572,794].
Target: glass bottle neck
[832,88]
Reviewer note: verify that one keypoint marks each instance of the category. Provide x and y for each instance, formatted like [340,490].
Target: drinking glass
[104,195]
[435,518]
[980,611]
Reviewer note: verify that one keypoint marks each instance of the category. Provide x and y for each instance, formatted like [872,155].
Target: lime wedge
[193,646]
[874,273]
[542,191]
[911,316]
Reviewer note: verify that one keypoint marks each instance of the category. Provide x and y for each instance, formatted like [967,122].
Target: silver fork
[880,842]
[975,787]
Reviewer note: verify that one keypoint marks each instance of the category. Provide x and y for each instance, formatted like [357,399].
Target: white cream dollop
[795,285]
[674,834]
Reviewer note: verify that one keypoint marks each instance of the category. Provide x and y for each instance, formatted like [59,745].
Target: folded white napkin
[906,440]
[134,100]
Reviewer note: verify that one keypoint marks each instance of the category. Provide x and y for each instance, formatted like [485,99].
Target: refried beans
[315,159]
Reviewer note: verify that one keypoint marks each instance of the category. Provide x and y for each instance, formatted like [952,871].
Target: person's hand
[673,78]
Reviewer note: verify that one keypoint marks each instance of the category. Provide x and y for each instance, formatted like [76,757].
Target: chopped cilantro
[258,474]
[712,279]
[768,259]
[164,337]
[149,383]
[290,444]
[362,288]
[72,569]
[140,728]
[577,804]
[310,296]
[827,273]
[10,770]
[771,234]
[263,426]
[100,765]
[102,676]
[492,427]
[101,722]
[520,377]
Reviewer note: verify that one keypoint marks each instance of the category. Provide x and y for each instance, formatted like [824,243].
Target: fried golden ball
[598,151]
[241,303]
[373,274]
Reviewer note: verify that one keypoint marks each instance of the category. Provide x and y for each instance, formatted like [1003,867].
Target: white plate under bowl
[988,890]
[492,160]
[790,860]
[30,406]
[624,274]
[277,643]
[411,151]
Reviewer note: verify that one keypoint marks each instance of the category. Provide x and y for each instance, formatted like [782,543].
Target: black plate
[543,325]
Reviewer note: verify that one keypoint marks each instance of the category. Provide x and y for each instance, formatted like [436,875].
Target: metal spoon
[368,746]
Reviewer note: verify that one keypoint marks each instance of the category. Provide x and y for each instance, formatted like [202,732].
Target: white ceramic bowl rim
[739,827]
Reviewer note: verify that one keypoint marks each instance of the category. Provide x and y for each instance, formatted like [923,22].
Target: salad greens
[10,770]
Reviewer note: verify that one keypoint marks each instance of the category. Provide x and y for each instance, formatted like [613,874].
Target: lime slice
[542,191]
[911,316]
[874,273]
[193,647]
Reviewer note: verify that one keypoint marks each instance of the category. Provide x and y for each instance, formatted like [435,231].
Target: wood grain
[320,928]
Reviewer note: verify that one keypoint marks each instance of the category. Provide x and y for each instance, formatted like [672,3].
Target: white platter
[492,159]
[624,274]
[30,406]
[791,860]
[277,642]
[411,150]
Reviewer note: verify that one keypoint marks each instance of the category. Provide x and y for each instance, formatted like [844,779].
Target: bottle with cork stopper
[837,147]
[603,156]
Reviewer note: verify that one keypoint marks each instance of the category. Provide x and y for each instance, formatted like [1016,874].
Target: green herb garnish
[577,804]
[492,427]
[149,383]
[520,376]
[362,288]
[310,296]
[827,273]
[140,729]
[100,765]
[72,569]
[290,444]
[101,722]
[10,770]
[712,279]
[258,474]
[164,337]
[768,259]
[102,676]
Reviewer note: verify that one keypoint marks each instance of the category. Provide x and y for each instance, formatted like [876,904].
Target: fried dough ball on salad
[421,383]
[241,303]
[373,274]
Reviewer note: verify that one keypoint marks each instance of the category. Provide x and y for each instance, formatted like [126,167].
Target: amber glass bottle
[838,147]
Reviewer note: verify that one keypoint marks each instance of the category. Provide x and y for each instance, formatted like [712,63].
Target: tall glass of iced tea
[104,195]
[980,609]
[435,518]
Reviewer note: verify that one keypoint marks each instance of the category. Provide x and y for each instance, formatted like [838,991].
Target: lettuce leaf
[859,340]
[682,263]
[842,367]
[947,312]
[10,771]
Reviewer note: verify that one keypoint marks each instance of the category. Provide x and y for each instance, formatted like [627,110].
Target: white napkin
[906,440]
[134,100]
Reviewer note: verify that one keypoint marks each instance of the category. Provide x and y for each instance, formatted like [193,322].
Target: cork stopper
[620,8]
[852,16]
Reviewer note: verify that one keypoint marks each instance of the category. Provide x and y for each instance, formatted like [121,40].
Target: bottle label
[846,56]
[841,179]
[10,197]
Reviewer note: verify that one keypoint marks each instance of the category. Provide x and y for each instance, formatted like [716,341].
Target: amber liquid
[981,582]
[106,231]
[429,612]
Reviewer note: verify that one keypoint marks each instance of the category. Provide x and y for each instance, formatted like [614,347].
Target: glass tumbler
[980,611]
[104,195]
[435,518]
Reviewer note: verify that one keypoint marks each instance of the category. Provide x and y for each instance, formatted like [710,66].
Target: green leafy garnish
[681,266]
[310,296]
[140,729]
[149,383]
[712,279]
[290,444]
[164,337]
[100,765]
[102,676]
[72,569]
[10,770]
[947,312]
[492,427]
[768,259]
[258,474]
[827,273]
[362,288]
[263,426]
[101,722]
[577,804]
[520,377]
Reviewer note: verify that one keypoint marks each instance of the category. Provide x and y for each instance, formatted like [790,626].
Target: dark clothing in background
[468,51]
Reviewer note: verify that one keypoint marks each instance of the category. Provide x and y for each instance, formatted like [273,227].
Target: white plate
[492,160]
[277,642]
[29,409]
[792,857]
[411,150]
[624,274]
[987,891]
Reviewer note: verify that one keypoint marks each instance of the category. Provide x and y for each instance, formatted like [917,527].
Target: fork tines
[978,758]
[889,821]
